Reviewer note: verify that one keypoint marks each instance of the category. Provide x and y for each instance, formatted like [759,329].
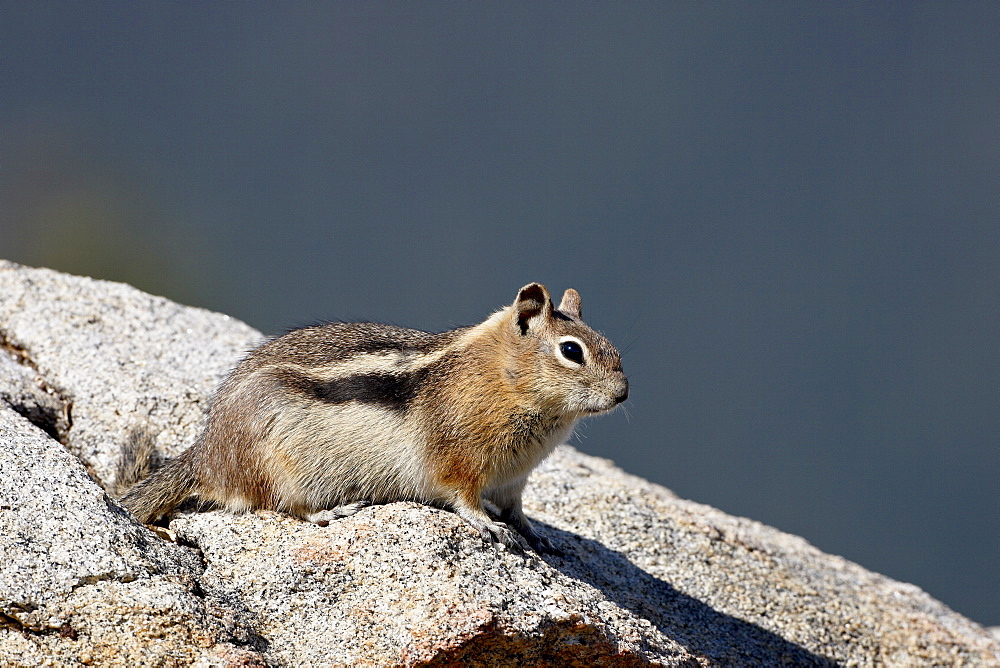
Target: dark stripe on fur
[394,391]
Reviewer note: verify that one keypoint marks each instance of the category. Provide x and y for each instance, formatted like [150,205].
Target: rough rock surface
[116,358]
[645,577]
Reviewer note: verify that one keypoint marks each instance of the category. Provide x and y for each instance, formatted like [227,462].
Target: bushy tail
[136,461]
[151,493]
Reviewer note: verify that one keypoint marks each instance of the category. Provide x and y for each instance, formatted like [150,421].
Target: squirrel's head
[566,365]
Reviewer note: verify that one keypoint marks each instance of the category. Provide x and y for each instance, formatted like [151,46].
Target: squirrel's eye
[572,351]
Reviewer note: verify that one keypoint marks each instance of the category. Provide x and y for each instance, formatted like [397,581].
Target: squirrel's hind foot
[324,517]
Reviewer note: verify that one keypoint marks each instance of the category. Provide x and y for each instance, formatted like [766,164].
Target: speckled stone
[118,357]
[80,581]
[644,578]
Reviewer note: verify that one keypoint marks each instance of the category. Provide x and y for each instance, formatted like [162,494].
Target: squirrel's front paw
[498,533]
[542,545]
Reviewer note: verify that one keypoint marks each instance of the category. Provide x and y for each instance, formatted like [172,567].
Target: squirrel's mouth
[598,410]
[595,401]
[612,402]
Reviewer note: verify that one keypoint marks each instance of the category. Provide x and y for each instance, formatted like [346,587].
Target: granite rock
[80,581]
[116,358]
[644,577]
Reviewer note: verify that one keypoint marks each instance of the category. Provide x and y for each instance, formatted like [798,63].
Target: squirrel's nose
[622,394]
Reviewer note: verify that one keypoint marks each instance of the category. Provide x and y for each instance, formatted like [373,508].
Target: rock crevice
[24,389]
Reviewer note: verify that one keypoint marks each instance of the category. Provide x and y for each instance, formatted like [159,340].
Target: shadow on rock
[703,630]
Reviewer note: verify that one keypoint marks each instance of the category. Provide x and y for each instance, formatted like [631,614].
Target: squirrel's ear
[532,307]
[570,304]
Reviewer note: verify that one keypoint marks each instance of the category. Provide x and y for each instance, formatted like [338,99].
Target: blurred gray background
[785,214]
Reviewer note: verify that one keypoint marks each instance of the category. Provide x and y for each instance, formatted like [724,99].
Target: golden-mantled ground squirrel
[342,415]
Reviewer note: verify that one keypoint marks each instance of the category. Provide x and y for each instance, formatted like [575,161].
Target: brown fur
[339,415]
